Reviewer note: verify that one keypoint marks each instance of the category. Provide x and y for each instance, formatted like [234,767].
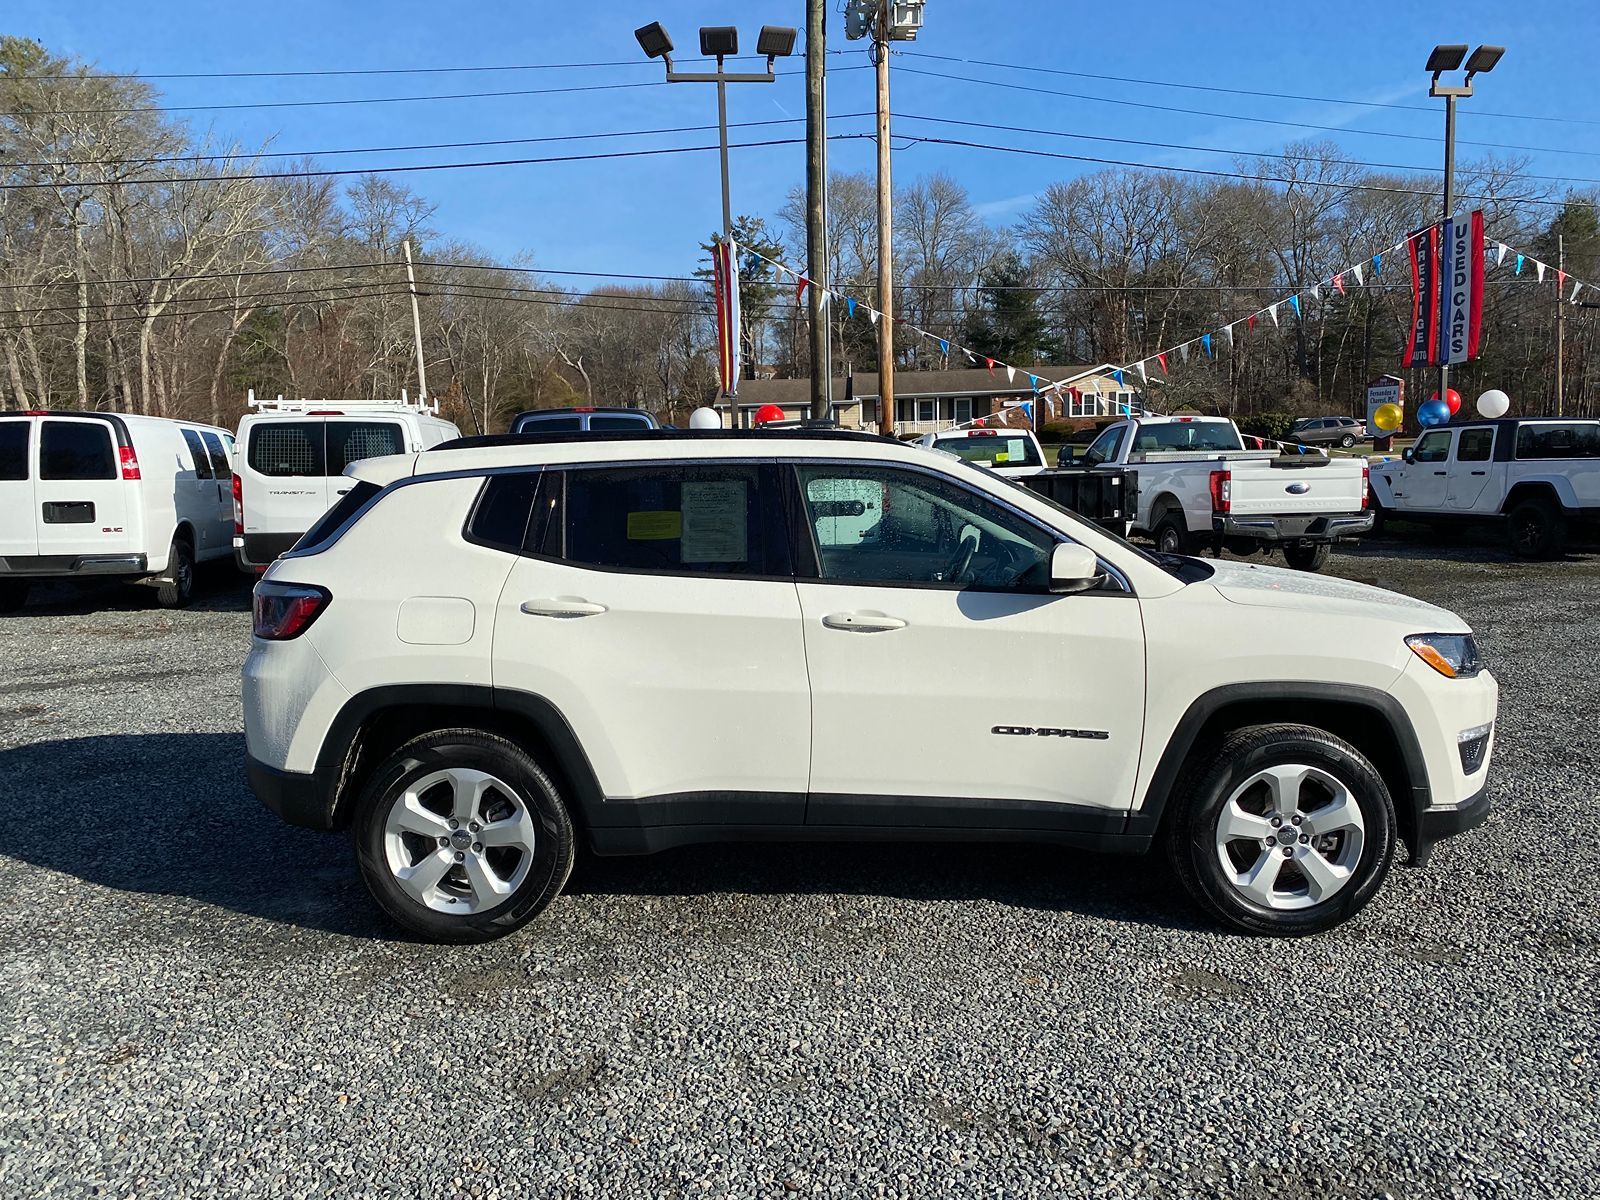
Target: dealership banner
[1423,246]
[725,282]
[1460,289]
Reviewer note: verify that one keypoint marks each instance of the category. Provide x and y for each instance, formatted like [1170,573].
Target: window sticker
[655,526]
[714,522]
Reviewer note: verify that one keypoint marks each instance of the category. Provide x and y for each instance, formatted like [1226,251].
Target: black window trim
[199,455]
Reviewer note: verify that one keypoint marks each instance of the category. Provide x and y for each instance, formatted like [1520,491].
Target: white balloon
[705,418]
[1493,403]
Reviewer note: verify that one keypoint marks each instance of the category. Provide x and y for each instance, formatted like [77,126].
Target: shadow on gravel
[170,815]
[218,587]
[1459,545]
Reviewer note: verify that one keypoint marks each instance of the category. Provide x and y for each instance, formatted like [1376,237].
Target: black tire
[1380,517]
[1204,791]
[1171,535]
[472,749]
[1308,558]
[13,595]
[1537,529]
[1347,441]
[176,587]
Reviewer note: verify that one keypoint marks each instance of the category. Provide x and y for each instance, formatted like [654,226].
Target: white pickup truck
[1539,476]
[1198,483]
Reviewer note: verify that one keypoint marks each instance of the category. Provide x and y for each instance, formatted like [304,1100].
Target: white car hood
[1278,587]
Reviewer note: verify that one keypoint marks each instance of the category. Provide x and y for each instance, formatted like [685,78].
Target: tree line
[148,268]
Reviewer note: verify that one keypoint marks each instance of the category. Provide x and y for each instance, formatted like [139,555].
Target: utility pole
[1561,321]
[816,191]
[416,325]
[880,53]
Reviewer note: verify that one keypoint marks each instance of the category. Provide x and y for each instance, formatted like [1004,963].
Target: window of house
[963,409]
[927,411]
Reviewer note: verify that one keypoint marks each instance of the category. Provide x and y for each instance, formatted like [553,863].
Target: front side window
[680,518]
[1475,445]
[1433,447]
[879,525]
[1558,441]
[76,450]
[1106,447]
[197,452]
[287,449]
[220,463]
[14,449]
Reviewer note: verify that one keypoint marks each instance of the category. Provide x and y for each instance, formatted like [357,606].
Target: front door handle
[863,622]
[1480,472]
[562,606]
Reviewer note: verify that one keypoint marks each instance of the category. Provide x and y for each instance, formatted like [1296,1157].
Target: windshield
[1187,435]
[996,450]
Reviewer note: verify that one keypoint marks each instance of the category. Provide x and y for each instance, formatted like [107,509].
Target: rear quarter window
[284,449]
[351,502]
[1558,441]
[14,449]
[76,450]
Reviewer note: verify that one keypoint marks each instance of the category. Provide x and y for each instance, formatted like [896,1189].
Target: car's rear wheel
[462,837]
[176,587]
[1537,530]
[1171,535]
[1347,441]
[1311,557]
[1282,830]
[13,595]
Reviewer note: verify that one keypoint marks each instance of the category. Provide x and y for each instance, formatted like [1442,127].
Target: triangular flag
[1117,375]
[872,315]
[1011,374]
[1356,271]
[988,365]
[1273,309]
[850,305]
[1519,264]
[800,289]
[969,355]
[822,297]
[1377,263]
[944,346]
[1295,302]
[1162,359]
[1033,382]
[1250,322]
[1577,286]
[1561,280]
[1539,269]
[1316,291]
[1183,351]
[1228,329]
[1205,344]
[1500,254]
[1338,283]
[1140,368]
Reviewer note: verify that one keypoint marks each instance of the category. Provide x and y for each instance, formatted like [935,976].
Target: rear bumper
[1314,528]
[297,798]
[45,566]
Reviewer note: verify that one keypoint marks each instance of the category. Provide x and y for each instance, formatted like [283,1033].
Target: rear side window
[14,449]
[501,516]
[219,456]
[351,441]
[359,494]
[76,450]
[1475,445]
[287,448]
[1558,441]
[618,421]
[703,519]
[197,451]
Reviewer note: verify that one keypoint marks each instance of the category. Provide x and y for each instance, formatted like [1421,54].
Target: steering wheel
[962,559]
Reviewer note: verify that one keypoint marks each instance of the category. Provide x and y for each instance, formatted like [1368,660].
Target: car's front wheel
[1347,441]
[462,837]
[1282,830]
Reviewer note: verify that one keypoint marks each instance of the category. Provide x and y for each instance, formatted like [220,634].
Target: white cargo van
[110,494]
[289,466]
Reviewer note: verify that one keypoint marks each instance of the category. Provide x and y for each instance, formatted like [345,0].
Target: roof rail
[578,437]
[303,405]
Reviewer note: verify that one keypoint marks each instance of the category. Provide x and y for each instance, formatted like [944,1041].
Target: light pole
[1448,58]
[720,42]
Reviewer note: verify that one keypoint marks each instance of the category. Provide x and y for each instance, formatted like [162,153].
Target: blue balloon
[1434,412]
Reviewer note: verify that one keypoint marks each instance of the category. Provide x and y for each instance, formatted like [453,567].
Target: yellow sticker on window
[1002,457]
[655,526]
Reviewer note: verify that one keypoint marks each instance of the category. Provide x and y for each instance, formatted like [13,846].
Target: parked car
[1009,452]
[94,494]
[292,457]
[1195,478]
[1537,476]
[483,655]
[582,420]
[1328,431]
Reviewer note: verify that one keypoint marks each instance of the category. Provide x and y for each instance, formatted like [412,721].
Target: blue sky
[649,215]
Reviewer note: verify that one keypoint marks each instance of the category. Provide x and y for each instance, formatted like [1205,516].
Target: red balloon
[768,412]
[1452,400]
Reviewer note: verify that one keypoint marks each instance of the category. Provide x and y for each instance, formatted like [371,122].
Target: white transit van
[291,457]
[109,494]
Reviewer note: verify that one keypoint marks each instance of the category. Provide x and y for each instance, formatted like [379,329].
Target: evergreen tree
[1005,322]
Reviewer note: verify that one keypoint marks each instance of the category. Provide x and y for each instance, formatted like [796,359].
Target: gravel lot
[198,1000]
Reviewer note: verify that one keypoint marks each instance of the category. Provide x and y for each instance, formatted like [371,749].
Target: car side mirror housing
[1074,568]
[1409,454]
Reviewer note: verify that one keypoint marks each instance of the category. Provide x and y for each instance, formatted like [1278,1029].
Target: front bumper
[1440,821]
[298,798]
[1314,528]
[45,566]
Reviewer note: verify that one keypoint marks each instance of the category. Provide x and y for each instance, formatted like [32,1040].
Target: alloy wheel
[459,841]
[1290,836]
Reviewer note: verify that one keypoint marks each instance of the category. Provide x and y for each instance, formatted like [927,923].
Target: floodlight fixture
[776,41]
[1483,60]
[719,41]
[1446,58]
[653,40]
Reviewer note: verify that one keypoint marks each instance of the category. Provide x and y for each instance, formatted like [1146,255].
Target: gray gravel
[197,1000]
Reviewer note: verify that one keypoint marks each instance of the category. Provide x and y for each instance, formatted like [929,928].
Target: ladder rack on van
[309,406]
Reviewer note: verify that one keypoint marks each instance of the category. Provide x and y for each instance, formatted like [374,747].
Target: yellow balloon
[1389,417]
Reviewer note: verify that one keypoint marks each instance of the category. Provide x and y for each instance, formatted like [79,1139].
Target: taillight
[238,507]
[130,462]
[1221,491]
[1366,486]
[286,610]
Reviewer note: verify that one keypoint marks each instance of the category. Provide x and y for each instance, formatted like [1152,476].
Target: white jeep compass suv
[494,648]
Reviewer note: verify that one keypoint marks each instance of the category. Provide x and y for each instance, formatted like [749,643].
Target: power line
[1200,112]
[1202,87]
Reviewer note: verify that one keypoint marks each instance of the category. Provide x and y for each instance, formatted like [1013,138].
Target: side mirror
[1409,454]
[1074,568]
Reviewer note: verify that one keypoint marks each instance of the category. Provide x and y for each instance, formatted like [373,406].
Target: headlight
[1453,655]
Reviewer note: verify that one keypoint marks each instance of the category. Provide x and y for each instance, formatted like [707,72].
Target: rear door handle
[862,622]
[1480,472]
[1441,472]
[562,606]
